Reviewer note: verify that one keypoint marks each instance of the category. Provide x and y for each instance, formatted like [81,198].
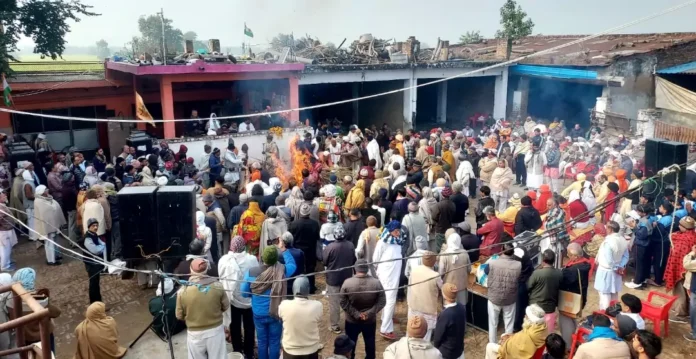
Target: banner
[671,96]
[141,112]
[247,31]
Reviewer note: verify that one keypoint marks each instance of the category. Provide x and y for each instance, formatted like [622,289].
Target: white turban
[168,287]
[535,314]
[27,176]
[40,190]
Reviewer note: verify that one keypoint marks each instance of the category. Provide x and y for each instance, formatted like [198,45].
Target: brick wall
[501,49]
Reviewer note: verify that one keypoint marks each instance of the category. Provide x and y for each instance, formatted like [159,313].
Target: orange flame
[298,159]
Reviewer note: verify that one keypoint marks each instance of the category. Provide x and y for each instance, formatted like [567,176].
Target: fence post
[45,338]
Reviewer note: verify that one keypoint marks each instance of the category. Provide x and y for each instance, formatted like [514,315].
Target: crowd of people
[383,215]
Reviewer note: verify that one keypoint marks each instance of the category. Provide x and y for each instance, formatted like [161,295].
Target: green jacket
[174,325]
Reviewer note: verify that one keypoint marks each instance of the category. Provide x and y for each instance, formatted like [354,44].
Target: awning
[674,97]
[687,68]
[553,72]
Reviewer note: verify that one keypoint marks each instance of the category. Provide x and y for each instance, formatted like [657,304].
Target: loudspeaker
[176,228]
[672,153]
[652,156]
[141,142]
[137,217]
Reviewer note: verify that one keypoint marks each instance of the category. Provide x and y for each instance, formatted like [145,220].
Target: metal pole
[164,43]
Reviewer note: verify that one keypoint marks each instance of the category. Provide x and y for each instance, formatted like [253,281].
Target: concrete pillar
[442,102]
[294,97]
[167,99]
[410,98]
[355,93]
[500,96]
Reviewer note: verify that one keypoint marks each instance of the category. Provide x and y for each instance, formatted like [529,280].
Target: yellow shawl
[97,335]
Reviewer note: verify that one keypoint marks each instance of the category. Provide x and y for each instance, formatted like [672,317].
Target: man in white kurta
[387,252]
[373,151]
[611,260]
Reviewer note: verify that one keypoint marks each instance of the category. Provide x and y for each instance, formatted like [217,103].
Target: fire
[299,159]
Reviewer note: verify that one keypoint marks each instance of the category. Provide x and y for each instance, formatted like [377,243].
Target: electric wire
[483,69]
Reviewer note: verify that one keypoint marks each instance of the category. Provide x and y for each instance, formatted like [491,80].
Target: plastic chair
[603,312]
[658,313]
[578,338]
[540,352]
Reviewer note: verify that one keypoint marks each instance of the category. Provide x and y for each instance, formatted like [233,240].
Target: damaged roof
[599,51]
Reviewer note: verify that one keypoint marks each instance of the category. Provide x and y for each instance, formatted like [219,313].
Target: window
[62,133]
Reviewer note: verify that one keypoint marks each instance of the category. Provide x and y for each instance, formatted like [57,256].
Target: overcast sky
[333,20]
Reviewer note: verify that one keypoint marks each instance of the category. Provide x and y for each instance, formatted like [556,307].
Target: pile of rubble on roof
[366,50]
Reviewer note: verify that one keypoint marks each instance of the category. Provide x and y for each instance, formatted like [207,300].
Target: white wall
[255,142]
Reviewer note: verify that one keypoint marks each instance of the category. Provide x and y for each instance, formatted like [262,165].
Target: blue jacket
[662,232]
[215,165]
[260,305]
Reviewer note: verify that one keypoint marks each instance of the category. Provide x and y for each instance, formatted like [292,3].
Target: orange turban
[256,175]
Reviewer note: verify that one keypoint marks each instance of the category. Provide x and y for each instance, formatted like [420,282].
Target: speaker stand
[168,335]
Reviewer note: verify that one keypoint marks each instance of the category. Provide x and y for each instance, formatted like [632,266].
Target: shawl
[425,205]
[148,180]
[295,201]
[387,237]
[97,335]
[454,245]
[544,195]
[356,196]
[555,221]
[49,216]
[682,242]
[610,209]
[448,157]
[378,184]
[272,228]
[271,278]
[502,178]
[249,228]
[16,195]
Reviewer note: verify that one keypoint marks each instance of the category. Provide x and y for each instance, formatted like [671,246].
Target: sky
[334,20]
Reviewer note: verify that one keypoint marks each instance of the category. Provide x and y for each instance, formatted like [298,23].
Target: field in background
[69,63]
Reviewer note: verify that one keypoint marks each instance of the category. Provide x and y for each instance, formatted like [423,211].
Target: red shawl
[682,243]
[577,209]
[610,208]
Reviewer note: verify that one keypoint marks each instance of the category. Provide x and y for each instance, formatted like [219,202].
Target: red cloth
[544,195]
[181,155]
[681,246]
[578,208]
[493,233]
[610,208]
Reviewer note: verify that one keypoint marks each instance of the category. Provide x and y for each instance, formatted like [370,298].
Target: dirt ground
[68,286]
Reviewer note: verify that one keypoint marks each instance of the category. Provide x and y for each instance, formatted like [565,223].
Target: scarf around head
[386,235]
[97,336]
[602,332]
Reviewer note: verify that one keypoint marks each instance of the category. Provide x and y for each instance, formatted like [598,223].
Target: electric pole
[164,43]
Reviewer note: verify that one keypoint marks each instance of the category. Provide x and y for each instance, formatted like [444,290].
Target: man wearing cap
[301,318]
[164,323]
[388,255]
[344,348]
[413,345]
[96,247]
[362,298]
[215,165]
[305,231]
[49,220]
[525,343]
[448,337]
[338,257]
[202,310]
[423,290]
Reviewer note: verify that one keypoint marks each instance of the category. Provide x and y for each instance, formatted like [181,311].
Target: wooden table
[477,305]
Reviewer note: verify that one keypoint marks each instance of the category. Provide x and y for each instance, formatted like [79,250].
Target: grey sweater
[370,303]
[503,274]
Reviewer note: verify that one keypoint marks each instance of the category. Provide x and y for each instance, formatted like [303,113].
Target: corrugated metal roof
[687,68]
[600,51]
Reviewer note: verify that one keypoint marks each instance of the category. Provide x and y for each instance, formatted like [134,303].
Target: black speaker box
[652,156]
[672,153]
[137,212]
[176,206]
[141,142]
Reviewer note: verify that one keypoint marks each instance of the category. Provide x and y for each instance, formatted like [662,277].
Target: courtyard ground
[128,303]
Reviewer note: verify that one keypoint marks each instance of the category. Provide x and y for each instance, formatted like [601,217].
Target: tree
[103,49]
[150,40]
[45,22]
[197,44]
[515,24]
[471,37]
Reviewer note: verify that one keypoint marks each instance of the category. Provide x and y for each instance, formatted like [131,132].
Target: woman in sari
[97,335]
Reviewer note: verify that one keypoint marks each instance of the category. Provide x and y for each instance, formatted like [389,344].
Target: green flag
[6,92]
[247,31]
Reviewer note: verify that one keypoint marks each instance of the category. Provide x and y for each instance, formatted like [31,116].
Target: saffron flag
[247,31]
[141,112]
[6,92]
